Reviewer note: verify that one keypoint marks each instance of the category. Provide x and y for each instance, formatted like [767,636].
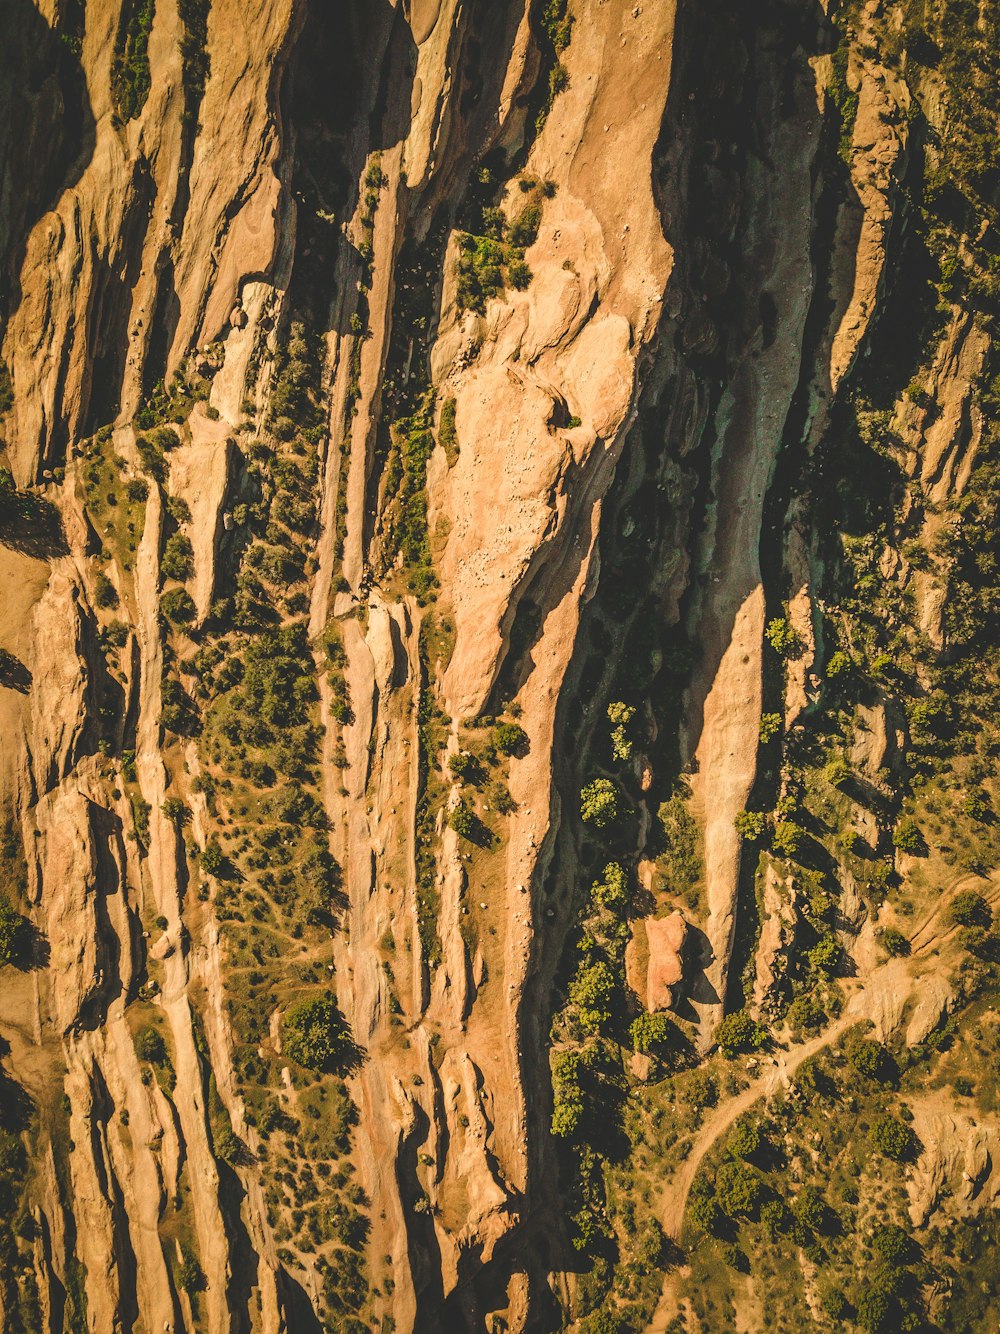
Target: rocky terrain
[499,665]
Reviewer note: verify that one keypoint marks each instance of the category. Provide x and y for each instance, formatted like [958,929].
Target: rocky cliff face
[497,665]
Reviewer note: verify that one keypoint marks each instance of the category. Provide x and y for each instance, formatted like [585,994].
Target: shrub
[782,638]
[462,820]
[871,1059]
[837,771]
[770,726]
[739,1189]
[176,811]
[894,942]
[15,934]
[591,992]
[976,806]
[746,1139]
[750,825]
[178,607]
[510,739]
[316,1036]
[739,1033]
[213,859]
[651,1034]
[839,664]
[178,557]
[906,837]
[599,803]
[787,839]
[894,1139]
[151,1047]
[189,1275]
[970,909]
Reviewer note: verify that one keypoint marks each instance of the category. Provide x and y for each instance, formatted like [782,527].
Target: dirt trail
[783,1066]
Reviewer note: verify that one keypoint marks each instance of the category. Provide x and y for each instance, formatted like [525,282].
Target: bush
[213,859]
[787,839]
[871,1059]
[178,607]
[189,1275]
[510,739]
[746,1140]
[151,1047]
[739,1033]
[316,1036]
[894,1139]
[15,934]
[837,771]
[739,1189]
[651,1034]
[750,825]
[970,909]
[591,993]
[178,557]
[770,726]
[782,638]
[907,837]
[837,666]
[894,942]
[599,803]
[462,820]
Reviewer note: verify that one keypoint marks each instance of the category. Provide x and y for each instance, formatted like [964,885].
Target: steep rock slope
[498,652]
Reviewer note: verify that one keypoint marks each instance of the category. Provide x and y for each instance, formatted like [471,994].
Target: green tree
[893,942]
[510,739]
[178,607]
[970,909]
[770,726]
[739,1189]
[462,819]
[567,1095]
[782,638]
[316,1036]
[652,1034]
[213,859]
[746,1139]
[591,992]
[611,891]
[870,1059]
[894,1139]
[151,1047]
[739,1033]
[599,803]
[787,839]
[750,825]
[620,715]
[15,934]
[178,557]
[907,836]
